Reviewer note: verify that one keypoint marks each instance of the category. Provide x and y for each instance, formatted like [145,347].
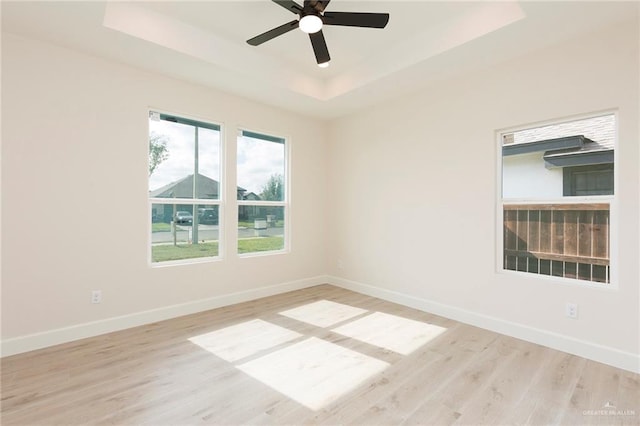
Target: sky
[257,159]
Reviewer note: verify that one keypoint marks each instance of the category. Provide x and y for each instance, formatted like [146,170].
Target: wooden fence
[565,240]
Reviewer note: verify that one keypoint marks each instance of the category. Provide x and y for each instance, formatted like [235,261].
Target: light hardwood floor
[322,355]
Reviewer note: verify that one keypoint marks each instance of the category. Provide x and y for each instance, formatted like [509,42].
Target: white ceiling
[204,43]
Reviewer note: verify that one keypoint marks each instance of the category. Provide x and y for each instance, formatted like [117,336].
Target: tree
[273,189]
[158,151]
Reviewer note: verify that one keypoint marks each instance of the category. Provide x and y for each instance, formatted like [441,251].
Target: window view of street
[184,188]
[185,199]
[173,239]
[265,232]
[261,193]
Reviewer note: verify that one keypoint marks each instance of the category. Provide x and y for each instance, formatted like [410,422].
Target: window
[184,188]
[262,192]
[588,180]
[557,189]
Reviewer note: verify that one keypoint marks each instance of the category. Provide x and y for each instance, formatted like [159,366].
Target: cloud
[257,159]
[181,149]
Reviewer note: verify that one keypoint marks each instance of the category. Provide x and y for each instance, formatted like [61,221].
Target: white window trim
[220,202]
[286,203]
[614,220]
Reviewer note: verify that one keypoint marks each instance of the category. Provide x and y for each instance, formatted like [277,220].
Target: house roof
[251,196]
[205,188]
[578,157]
[599,130]
[563,143]
[579,142]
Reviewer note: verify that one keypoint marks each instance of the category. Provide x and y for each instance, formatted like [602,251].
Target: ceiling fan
[311,18]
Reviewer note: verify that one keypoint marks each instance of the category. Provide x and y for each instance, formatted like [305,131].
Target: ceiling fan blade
[290,5]
[273,33]
[320,47]
[356,19]
[318,5]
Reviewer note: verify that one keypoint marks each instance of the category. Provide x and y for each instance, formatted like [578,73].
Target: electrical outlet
[571,310]
[96,296]
[340,264]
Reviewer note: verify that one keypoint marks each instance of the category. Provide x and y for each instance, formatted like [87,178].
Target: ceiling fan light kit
[311,18]
[310,24]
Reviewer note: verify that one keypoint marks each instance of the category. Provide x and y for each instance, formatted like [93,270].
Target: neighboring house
[250,212]
[204,187]
[568,159]
[241,194]
[252,196]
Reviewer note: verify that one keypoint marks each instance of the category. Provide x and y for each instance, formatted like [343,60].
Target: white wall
[525,176]
[74,192]
[411,209]
[414,187]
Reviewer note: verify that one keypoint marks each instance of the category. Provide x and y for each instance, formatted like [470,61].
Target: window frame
[194,202]
[268,136]
[611,200]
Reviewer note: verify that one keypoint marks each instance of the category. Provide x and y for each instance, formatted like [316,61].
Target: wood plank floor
[322,355]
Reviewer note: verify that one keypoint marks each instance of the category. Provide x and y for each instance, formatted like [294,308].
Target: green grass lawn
[165,252]
[251,245]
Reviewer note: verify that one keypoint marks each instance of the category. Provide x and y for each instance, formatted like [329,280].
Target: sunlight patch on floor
[309,370]
[392,332]
[323,313]
[313,372]
[244,339]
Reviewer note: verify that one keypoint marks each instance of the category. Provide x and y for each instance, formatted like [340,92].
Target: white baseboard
[48,338]
[606,355]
